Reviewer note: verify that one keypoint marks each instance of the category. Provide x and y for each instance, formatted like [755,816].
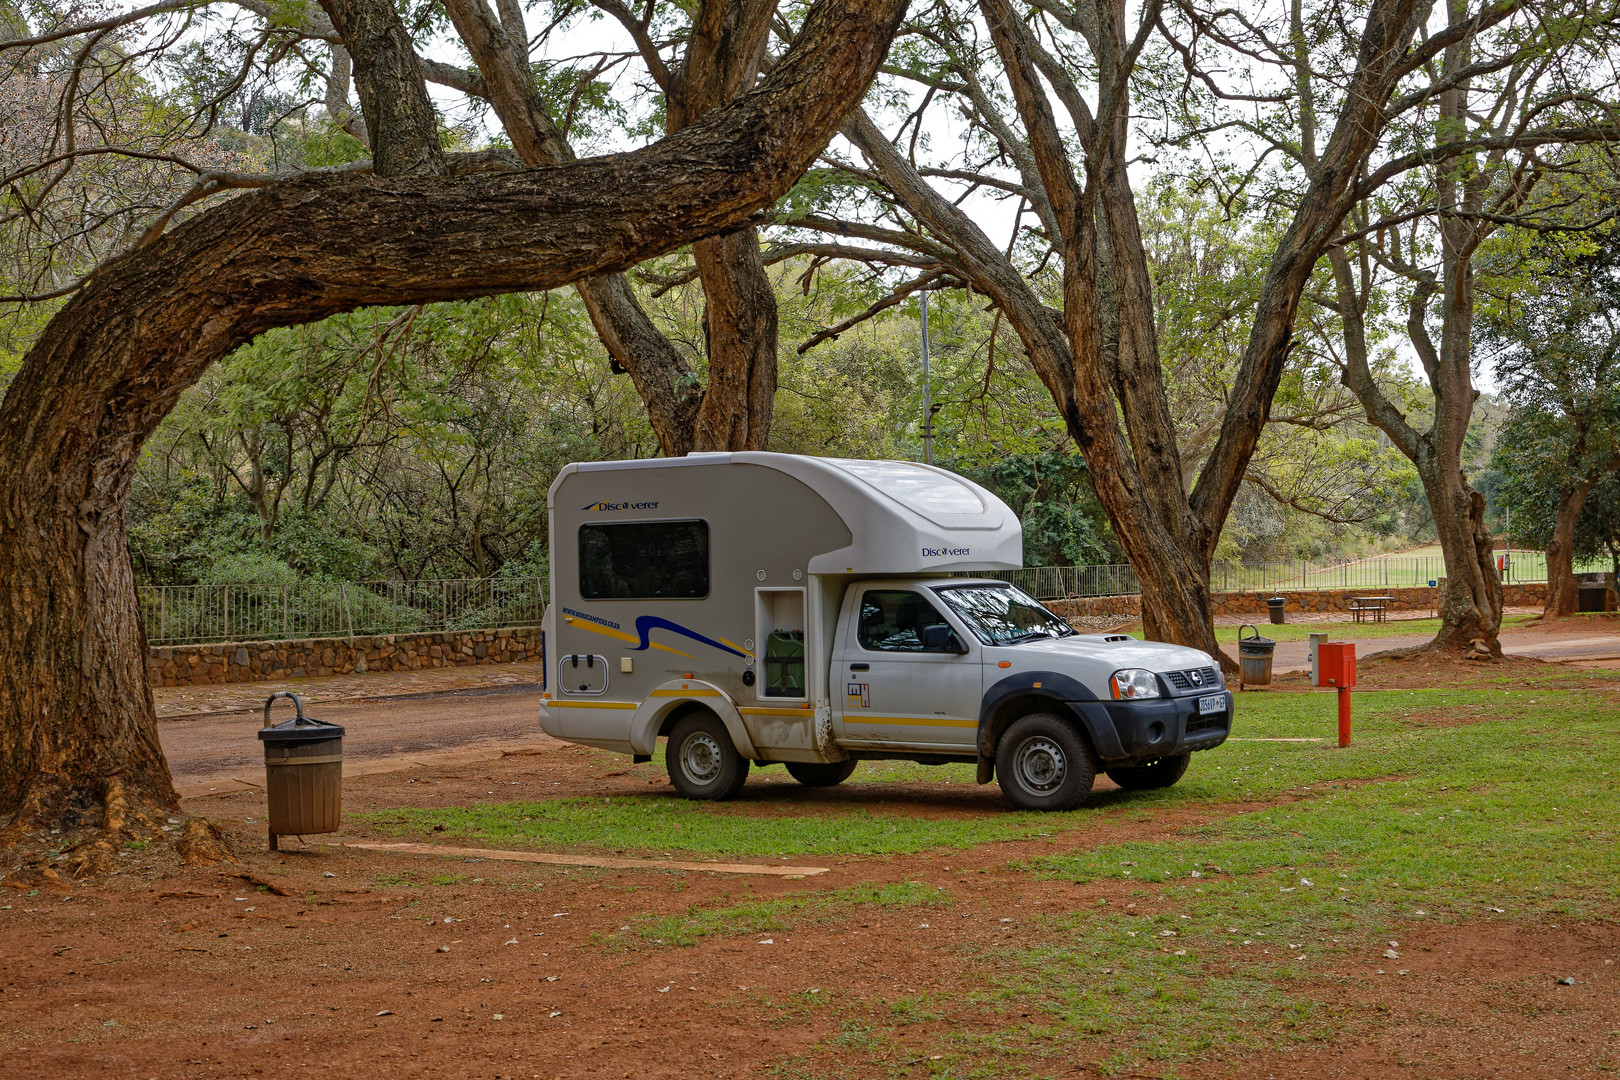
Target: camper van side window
[644,560]
[893,620]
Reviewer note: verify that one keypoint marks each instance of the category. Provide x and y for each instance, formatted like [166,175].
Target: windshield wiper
[1031,636]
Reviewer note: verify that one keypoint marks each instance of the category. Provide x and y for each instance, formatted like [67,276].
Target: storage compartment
[779,619]
[582,673]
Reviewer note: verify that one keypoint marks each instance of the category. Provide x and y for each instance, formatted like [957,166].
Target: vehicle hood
[1091,649]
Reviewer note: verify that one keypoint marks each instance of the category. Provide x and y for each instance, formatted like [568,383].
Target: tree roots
[202,843]
[59,836]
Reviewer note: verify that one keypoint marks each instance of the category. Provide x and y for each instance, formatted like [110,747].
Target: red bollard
[1336,666]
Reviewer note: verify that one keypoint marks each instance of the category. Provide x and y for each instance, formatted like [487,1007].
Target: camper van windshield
[1003,615]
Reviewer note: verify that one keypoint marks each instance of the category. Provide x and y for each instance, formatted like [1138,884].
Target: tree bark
[1561,585]
[1098,356]
[739,331]
[670,392]
[76,716]
[722,60]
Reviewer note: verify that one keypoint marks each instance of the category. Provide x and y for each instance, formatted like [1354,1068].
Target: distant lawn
[1349,631]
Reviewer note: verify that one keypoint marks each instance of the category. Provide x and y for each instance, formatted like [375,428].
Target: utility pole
[928,389]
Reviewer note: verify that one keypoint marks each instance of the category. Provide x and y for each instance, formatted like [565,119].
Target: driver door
[896,692]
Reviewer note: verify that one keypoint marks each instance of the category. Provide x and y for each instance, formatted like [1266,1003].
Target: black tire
[703,762]
[1045,763]
[817,774]
[1155,774]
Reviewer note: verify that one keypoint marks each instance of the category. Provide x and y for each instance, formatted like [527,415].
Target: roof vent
[1117,637]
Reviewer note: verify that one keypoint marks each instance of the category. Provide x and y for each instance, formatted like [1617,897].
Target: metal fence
[190,614]
[1382,572]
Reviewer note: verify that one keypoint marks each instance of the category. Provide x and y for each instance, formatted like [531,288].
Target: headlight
[1133,684]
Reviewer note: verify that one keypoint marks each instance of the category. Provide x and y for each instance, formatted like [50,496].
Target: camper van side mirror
[941,638]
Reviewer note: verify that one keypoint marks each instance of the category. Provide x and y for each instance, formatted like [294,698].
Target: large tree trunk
[76,716]
[1561,585]
[1471,605]
[739,329]
[722,60]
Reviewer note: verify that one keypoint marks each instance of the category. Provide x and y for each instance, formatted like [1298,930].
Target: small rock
[768,941]
[385,1012]
[498,1016]
[1391,954]
[444,948]
[1566,981]
[328,873]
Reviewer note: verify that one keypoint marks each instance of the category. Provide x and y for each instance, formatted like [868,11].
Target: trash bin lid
[300,729]
[1254,640]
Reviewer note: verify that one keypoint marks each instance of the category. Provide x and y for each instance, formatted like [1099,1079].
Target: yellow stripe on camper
[608,631]
[912,721]
[804,711]
[739,648]
[594,704]
[699,692]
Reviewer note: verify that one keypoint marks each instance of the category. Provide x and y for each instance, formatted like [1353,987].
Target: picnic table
[1369,608]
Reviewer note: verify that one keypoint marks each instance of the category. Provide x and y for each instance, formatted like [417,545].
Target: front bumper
[1125,732]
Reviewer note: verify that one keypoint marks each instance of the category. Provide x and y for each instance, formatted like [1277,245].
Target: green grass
[1514,807]
[665,823]
[782,913]
[1515,813]
[1450,804]
[1349,631]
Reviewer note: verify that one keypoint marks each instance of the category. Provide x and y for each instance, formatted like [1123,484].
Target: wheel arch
[1029,692]
[666,705]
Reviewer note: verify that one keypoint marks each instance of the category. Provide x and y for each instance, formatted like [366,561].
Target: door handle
[860,667]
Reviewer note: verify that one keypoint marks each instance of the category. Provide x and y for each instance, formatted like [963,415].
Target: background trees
[1556,349]
[418,225]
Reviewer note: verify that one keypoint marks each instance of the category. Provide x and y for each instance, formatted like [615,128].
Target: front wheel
[1155,774]
[817,774]
[1043,763]
[703,762]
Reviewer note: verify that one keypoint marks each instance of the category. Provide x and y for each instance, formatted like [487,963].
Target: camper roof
[904,517]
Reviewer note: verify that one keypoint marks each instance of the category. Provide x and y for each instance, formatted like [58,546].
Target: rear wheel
[1155,774]
[1044,763]
[703,762]
[817,774]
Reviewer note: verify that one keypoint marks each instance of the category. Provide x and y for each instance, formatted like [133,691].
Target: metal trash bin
[1592,592]
[1254,657]
[303,773]
[1277,607]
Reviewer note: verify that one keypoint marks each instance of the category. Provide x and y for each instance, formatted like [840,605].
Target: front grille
[1208,680]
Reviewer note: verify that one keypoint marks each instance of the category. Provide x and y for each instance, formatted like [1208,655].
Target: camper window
[644,560]
[893,620]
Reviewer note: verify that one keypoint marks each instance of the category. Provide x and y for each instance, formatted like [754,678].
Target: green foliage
[1556,350]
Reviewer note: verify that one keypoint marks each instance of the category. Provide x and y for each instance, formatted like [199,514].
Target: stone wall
[256,661]
[1320,601]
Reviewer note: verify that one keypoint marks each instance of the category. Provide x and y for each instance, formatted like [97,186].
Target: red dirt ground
[161,972]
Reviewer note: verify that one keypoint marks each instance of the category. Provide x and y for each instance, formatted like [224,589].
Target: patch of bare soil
[366,963]
[1478,1000]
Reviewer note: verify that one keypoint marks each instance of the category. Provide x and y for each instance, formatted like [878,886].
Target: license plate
[1212,704]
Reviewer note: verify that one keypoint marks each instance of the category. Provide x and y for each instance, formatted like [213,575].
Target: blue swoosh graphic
[645,624]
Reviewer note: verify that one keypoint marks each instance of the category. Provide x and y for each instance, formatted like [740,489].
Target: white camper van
[758,608]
